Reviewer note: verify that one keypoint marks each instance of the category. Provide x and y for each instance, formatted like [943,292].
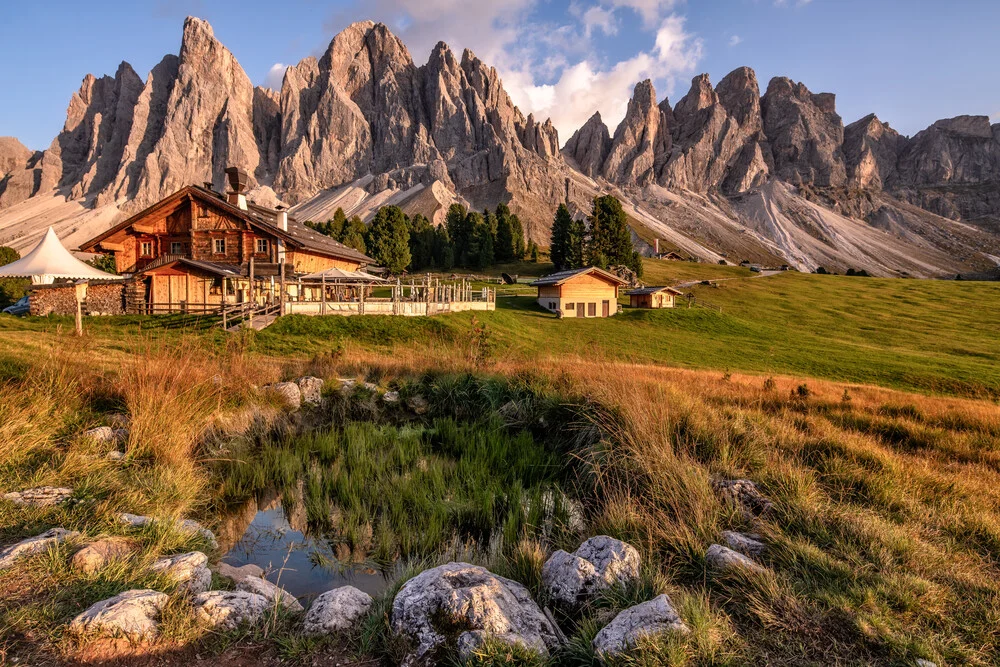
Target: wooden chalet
[199,249]
[653,297]
[589,292]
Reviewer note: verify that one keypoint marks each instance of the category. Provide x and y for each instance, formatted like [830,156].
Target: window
[591,310]
[146,248]
[219,246]
[570,306]
[176,248]
[202,211]
[261,246]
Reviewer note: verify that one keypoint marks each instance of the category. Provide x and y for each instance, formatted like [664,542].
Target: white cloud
[735,40]
[549,69]
[275,76]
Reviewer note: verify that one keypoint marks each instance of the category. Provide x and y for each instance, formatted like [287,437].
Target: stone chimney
[281,217]
[238,182]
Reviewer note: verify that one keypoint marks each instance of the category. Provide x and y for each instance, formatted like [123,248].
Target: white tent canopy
[50,261]
[339,275]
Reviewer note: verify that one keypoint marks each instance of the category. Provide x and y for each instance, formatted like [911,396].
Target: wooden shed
[653,297]
[589,292]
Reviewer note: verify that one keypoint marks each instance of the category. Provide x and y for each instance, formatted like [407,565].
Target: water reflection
[304,565]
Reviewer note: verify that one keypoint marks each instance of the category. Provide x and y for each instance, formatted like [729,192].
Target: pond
[302,564]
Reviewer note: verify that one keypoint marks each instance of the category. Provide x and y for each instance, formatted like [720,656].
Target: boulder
[133,614]
[238,574]
[748,545]
[96,555]
[723,559]
[920,662]
[34,545]
[467,604]
[187,526]
[272,592]
[42,496]
[311,389]
[189,571]
[289,392]
[391,397]
[418,404]
[745,495]
[115,455]
[227,610]
[600,563]
[650,619]
[107,435]
[336,611]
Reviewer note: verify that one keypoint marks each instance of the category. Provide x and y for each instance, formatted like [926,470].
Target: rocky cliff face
[724,171]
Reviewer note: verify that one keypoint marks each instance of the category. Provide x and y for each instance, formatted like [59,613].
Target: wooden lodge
[653,297]
[589,292]
[199,250]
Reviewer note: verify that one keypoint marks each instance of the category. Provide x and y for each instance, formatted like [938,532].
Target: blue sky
[911,62]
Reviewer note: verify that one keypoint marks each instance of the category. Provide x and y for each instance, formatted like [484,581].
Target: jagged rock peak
[871,152]
[641,137]
[805,134]
[589,145]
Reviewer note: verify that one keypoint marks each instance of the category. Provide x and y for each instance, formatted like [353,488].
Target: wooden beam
[112,247]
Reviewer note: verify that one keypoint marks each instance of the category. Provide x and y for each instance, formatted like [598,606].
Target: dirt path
[692,283]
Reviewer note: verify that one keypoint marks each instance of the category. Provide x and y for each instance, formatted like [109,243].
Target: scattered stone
[391,397]
[115,455]
[189,571]
[229,609]
[43,496]
[722,559]
[289,392]
[188,526]
[271,591]
[474,600]
[748,545]
[649,619]
[106,435]
[238,574]
[97,555]
[311,389]
[920,662]
[133,614]
[418,404]
[600,563]
[34,545]
[336,610]
[744,494]
[347,384]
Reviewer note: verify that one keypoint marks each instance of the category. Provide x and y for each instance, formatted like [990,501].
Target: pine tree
[575,256]
[458,231]
[505,249]
[389,239]
[519,249]
[421,243]
[533,251]
[444,251]
[560,246]
[610,239]
[352,234]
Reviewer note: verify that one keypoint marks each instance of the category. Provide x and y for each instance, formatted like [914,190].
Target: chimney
[656,246]
[238,182]
[281,218]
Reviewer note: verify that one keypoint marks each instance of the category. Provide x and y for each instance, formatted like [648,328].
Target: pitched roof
[214,268]
[50,260]
[560,277]
[652,290]
[256,216]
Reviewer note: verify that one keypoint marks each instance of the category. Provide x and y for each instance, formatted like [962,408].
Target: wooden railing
[244,312]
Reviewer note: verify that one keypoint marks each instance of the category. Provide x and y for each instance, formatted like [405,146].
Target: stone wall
[60,299]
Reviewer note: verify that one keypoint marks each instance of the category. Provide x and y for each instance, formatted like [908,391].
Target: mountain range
[725,173]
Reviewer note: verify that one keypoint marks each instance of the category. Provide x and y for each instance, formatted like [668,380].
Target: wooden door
[605,308]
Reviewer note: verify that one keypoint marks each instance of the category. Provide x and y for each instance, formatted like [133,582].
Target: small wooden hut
[653,297]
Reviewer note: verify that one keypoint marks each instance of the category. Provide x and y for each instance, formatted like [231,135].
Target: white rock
[920,662]
[723,559]
[748,545]
[95,556]
[272,592]
[34,545]
[391,397]
[238,574]
[115,455]
[649,619]
[472,598]
[600,563]
[106,435]
[133,614]
[347,384]
[189,571]
[229,609]
[289,392]
[43,496]
[336,610]
[188,526]
[311,390]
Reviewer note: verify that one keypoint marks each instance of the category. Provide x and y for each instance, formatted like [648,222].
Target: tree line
[468,239]
[606,241]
